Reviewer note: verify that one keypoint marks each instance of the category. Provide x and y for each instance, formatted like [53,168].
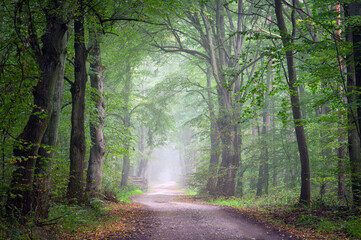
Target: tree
[49,58]
[97,151]
[127,124]
[45,155]
[78,88]
[353,9]
[287,41]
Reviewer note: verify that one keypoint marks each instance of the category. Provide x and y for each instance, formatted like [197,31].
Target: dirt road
[173,219]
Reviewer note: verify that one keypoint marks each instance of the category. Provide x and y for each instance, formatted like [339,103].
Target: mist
[165,165]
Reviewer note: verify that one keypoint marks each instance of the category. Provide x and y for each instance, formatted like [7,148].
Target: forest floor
[165,213]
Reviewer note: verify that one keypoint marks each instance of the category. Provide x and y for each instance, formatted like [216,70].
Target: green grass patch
[288,198]
[190,192]
[353,227]
[328,226]
[124,195]
[72,217]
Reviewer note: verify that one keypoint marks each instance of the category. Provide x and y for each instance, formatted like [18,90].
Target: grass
[67,220]
[190,192]
[321,222]
[124,196]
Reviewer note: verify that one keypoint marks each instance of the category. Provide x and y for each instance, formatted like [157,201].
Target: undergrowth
[337,221]
[64,218]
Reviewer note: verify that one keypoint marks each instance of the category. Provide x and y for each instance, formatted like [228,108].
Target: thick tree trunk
[305,195]
[55,40]
[77,140]
[353,85]
[213,162]
[354,101]
[97,150]
[45,156]
[228,168]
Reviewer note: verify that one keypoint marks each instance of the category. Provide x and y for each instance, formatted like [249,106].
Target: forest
[250,104]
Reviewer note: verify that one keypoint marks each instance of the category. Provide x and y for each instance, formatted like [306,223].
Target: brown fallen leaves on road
[123,221]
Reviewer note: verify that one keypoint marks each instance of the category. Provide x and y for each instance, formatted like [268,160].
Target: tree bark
[141,170]
[78,88]
[145,161]
[97,150]
[126,112]
[341,168]
[45,156]
[353,36]
[55,39]
[305,195]
[143,165]
[228,167]
[213,162]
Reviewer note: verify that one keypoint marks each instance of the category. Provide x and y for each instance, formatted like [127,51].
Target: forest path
[174,218]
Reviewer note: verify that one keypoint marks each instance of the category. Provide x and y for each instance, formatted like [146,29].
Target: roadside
[166,213]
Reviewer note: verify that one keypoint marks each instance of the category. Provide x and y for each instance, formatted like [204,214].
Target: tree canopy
[257,99]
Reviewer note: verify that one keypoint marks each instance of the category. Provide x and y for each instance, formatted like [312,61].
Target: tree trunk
[213,162]
[78,88]
[143,172]
[260,180]
[229,163]
[143,160]
[97,150]
[228,168]
[45,156]
[126,112]
[341,168]
[305,195]
[263,172]
[354,101]
[20,195]
[126,168]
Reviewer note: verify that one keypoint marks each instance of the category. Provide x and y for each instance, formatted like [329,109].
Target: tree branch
[69,81]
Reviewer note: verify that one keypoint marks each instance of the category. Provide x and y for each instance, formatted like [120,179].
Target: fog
[165,165]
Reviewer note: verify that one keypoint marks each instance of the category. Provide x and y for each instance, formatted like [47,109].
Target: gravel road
[173,219]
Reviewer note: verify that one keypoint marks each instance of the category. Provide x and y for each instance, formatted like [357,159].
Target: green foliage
[16,231]
[191,192]
[171,100]
[277,198]
[197,181]
[328,226]
[125,194]
[72,217]
[353,227]
[307,220]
